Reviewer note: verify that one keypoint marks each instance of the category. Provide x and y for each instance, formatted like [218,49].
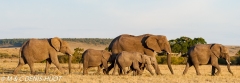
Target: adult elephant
[146,44]
[207,53]
[95,58]
[36,50]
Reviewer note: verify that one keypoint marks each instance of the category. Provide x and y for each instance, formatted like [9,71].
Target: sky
[217,21]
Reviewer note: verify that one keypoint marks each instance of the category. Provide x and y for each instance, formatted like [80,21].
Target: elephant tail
[21,56]
[82,59]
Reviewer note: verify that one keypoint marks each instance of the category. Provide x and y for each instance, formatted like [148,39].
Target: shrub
[4,55]
[174,60]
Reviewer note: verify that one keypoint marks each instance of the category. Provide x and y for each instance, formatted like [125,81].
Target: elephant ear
[56,43]
[152,43]
[223,51]
[106,55]
[138,56]
[215,48]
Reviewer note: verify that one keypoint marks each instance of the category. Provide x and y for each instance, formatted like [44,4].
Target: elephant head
[147,61]
[160,43]
[63,47]
[106,55]
[221,51]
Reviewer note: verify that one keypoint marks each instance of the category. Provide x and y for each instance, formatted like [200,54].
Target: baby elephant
[95,58]
[133,60]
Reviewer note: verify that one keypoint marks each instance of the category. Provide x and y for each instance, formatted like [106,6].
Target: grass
[6,69]
[8,65]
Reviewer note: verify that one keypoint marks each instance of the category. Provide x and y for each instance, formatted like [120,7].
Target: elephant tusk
[169,53]
[228,62]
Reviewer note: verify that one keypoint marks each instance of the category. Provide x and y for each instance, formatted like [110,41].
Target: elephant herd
[125,51]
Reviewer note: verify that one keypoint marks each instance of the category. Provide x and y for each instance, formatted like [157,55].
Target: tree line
[95,41]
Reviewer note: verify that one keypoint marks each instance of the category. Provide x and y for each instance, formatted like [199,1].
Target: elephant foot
[157,74]
[97,73]
[15,73]
[34,73]
[216,74]
[198,74]
[105,71]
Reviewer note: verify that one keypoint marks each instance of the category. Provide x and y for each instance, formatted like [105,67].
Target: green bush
[4,55]
[174,60]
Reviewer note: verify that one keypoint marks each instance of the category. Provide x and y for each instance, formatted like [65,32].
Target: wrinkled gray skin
[146,44]
[128,59]
[95,58]
[201,54]
[36,50]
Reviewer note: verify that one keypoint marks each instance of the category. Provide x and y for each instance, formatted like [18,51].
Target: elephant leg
[218,68]
[116,68]
[134,72]
[20,64]
[55,61]
[48,63]
[214,62]
[31,65]
[197,69]
[98,70]
[120,71]
[149,69]
[85,67]
[136,66]
[110,67]
[195,63]
[124,70]
[130,70]
[157,69]
[105,66]
[188,65]
[213,70]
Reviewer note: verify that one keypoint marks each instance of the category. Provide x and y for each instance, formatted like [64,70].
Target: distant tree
[183,43]
[106,48]
[238,53]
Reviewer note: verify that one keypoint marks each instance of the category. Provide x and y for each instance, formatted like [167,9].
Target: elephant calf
[95,58]
[133,60]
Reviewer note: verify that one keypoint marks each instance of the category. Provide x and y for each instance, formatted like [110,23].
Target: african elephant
[95,58]
[201,54]
[147,44]
[36,50]
[135,60]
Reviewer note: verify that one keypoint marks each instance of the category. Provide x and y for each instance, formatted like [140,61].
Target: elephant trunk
[70,63]
[169,62]
[229,70]
[228,64]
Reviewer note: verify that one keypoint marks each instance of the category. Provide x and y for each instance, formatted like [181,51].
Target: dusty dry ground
[7,67]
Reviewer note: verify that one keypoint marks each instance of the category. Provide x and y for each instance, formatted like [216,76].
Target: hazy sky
[217,21]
